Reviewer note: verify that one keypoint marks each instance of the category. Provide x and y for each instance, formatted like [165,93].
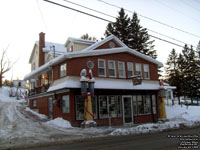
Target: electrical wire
[116,18]
[159,22]
[109,21]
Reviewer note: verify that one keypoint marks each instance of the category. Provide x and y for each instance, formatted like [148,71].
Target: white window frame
[140,68]
[62,71]
[67,109]
[123,69]
[104,62]
[34,103]
[112,68]
[132,68]
[146,70]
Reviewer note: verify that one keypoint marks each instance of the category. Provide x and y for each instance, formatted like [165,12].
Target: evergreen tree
[190,70]
[139,38]
[120,28]
[198,49]
[130,32]
[173,72]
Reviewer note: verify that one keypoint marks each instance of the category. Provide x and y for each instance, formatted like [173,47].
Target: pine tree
[190,68]
[120,28]
[130,32]
[139,38]
[173,72]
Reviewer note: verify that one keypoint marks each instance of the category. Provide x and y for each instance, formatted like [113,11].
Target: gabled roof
[92,51]
[99,43]
[59,48]
[79,40]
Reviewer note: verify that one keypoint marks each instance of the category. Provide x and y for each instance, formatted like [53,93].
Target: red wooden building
[55,82]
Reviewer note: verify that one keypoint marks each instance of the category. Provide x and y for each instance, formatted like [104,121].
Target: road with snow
[20,128]
[179,139]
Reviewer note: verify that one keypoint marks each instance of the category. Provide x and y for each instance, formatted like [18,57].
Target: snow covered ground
[20,126]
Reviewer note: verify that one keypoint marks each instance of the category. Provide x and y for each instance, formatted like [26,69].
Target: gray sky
[23,20]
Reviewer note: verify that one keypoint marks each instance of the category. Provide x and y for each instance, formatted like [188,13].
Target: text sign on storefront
[137,80]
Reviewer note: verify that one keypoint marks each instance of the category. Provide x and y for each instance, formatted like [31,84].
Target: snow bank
[35,113]
[188,113]
[59,122]
[177,116]
[4,95]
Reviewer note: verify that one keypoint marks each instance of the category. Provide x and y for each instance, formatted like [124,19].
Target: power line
[41,14]
[76,10]
[166,5]
[106,20]
[116,18]
[89,8]
[151,19]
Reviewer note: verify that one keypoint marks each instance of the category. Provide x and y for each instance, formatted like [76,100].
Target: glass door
[127,109]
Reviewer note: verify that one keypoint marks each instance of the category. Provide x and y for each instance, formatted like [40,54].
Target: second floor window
[121,69]
[130,69]
[139,69]
[63,70]
[111,68]
[146,71]
[102,67]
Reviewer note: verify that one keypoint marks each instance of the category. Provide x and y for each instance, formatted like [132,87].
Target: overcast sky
[23,20]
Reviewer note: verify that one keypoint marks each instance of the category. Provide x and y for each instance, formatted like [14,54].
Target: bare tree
[5,65]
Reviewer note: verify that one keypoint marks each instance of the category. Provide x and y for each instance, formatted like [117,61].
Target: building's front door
[127,109]
[50,107]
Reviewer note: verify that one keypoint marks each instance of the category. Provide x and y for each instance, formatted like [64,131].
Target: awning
[104,83]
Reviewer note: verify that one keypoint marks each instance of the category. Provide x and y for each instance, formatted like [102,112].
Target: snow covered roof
[89,51]
[104,83]
[44,67]
[99,43]
[166,86]
[79,40]
[59,49]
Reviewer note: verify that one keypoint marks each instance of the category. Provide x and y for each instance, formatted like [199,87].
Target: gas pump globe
[84,82]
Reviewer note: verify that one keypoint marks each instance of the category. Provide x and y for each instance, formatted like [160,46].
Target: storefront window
[94,106]
[103,107]
[80,107]
[119,106]
[65,104]
[134,105]
[147,104]
[154,104]
[140,104]
[112,101]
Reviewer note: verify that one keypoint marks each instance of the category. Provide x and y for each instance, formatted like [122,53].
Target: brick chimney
[41,46]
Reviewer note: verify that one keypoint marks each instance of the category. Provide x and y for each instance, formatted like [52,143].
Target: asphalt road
[172,140]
